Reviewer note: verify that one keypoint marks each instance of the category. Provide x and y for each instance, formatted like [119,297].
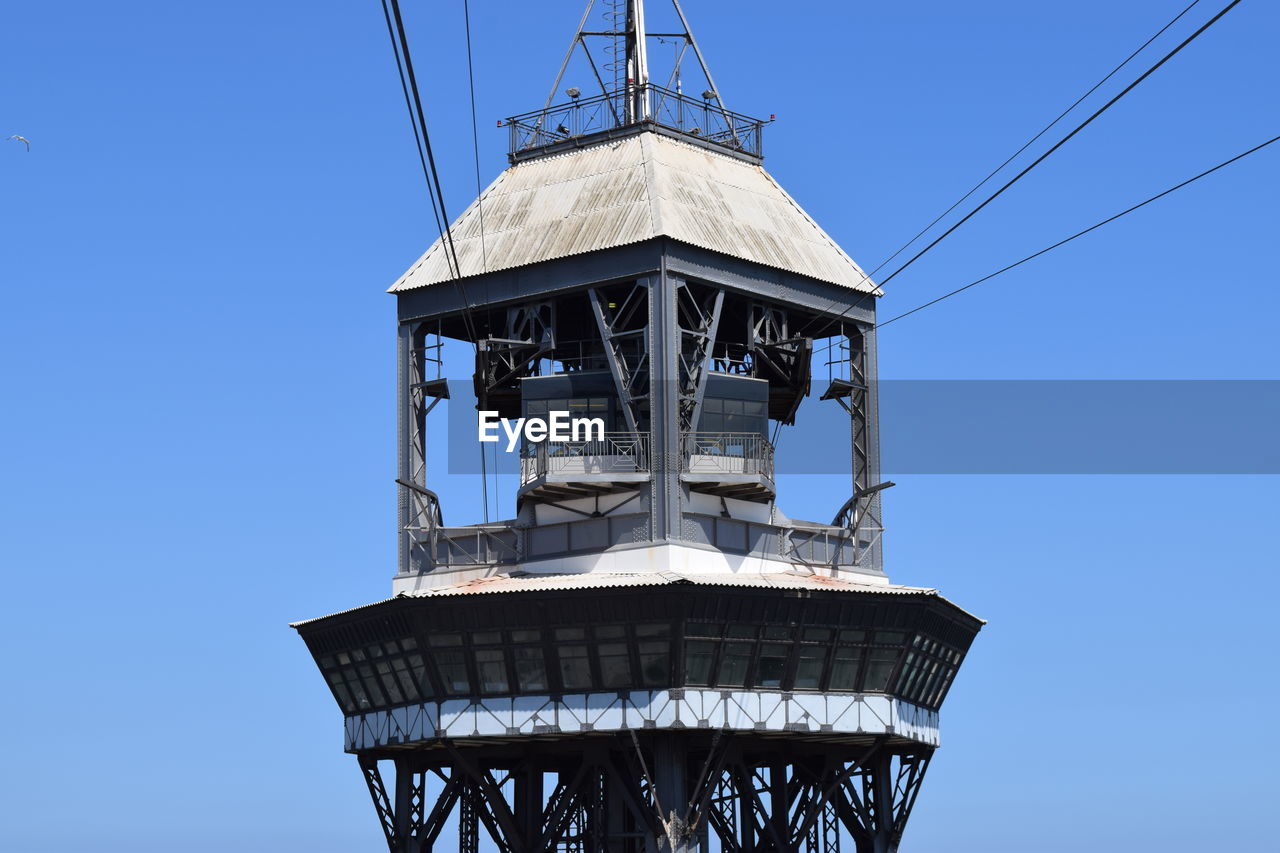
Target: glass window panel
[850,635]
[844,671]
[655,667]
[571,633]
[326,661]
[491,666]
[941,689]
[703,629]
[409,644]
[615,665]
[408,684]
[344,658]
[844,675]
[357,654]
[658,629]
[444,640]
[742,630]
[344,697]
[809,667]
[733,666]
[773,664]
[610,632]
[907,671]
[698,655]
[879,669]
[526,636]
[777,632]
[486,638]
[575,668]
[928,681]
[360,698]
[419,671]
[890,637]
[753,408]
[453,672]
[817,635]
[371,684]
[390,684]
[531,669]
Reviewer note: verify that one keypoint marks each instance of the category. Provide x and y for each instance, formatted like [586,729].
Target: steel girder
[698,311]
[619,795]
[623,330]
[782,359]
[501,362]
[421,388]
[861,514]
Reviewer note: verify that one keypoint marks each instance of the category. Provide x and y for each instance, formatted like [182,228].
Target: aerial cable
[1029,143]
[484,258]
[434,186]
[475,134]
[1093,227]
[417,117]
[1041,158]
[413,123]
[1033,139]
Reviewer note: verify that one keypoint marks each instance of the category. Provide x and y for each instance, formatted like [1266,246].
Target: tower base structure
[633,715]
[649,791]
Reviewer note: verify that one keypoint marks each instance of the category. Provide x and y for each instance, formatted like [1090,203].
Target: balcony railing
[732,453]
[614,453]
[700,118]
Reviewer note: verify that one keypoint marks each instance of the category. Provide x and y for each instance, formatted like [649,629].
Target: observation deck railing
[614,453]
[737,453]
[702,118]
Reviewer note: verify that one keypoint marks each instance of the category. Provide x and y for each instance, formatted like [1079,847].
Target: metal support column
[664,379]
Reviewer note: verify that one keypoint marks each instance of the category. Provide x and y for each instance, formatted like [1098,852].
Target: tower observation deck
[650,654]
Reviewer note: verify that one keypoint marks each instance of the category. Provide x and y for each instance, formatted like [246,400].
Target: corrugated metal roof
[606,580]
[629,190]
[603,580]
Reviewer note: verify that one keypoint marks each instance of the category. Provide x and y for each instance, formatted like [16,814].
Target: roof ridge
[866,278]
[648,160]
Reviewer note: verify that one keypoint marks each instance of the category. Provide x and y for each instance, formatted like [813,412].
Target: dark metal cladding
[410,650]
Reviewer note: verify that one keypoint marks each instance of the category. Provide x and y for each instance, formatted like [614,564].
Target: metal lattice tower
[650,655]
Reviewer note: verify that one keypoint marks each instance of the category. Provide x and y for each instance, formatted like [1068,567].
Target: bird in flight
[21,139]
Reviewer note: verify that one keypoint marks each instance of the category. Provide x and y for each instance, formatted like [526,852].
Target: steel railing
[614,453]
[702,118]
[747,453]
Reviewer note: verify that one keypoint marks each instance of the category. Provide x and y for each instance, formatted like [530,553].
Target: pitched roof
[629,190]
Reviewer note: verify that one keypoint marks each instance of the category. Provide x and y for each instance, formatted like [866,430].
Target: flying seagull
[21,139]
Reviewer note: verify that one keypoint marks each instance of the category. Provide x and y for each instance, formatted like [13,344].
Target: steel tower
[650,655]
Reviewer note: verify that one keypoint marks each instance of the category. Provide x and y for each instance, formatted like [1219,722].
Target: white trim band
[675,708]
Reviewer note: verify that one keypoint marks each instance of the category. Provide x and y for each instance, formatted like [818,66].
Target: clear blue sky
[197,444]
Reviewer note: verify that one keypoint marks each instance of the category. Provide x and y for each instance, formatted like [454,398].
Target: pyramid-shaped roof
[632,189]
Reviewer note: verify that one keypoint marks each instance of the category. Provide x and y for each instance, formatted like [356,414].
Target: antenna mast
[637,62]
